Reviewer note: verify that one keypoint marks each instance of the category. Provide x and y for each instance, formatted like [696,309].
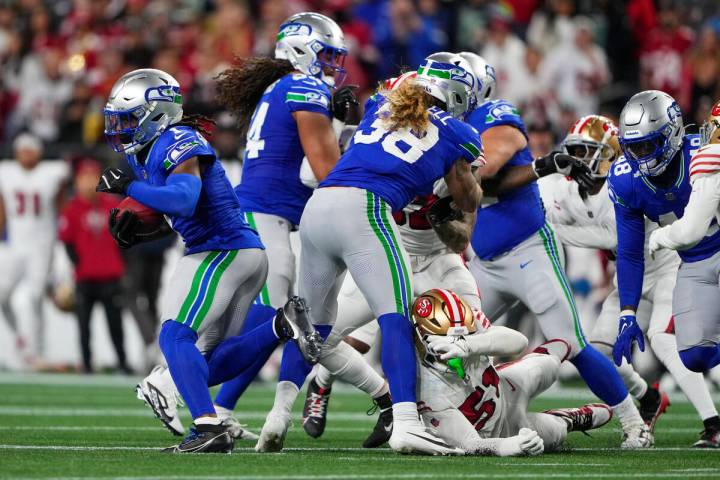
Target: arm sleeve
[178,197]
[602,237]
[630,254]
[699,213]
[496,340]
[467,140]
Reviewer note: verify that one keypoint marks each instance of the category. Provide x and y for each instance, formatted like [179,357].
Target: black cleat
[709,438]
[205,439]
[314,414]
[293,323]
[652,405]
[383,428]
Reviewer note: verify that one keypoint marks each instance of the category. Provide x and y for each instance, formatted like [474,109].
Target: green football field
[68,426]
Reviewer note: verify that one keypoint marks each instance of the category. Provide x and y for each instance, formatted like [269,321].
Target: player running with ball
[407,140]
[224,266]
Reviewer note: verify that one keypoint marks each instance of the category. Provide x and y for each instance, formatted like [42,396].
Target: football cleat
[709,438]
[238,430]
[382,431]
[205,439]
[314,414]
[416,439]
[587,417]
[272,436]
[158,392]
[293,323]
[652,405]
[637,437]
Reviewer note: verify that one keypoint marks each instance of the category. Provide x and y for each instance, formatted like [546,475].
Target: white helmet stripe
[455,316]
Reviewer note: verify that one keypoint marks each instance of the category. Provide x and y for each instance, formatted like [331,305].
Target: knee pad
[700,359]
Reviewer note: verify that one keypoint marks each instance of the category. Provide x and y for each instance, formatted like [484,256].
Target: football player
[408,139]
[434,236]
[519,259]
[652,180]
[585,218]
[31,191]
[224,266]
[480,408]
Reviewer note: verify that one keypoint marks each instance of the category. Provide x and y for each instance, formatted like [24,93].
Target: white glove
[448,346]
[653,244]
[307,176]
[526,442]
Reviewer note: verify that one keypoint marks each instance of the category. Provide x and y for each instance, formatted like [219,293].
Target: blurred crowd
[555,59]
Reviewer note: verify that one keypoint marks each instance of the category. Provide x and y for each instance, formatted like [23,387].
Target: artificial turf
[93,427]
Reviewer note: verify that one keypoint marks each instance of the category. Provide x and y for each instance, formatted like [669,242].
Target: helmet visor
[120,128]
[332,62]
[644,149]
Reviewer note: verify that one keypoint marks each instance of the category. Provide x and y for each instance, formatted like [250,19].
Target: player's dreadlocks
[201,123]
[241,87]
[409,105]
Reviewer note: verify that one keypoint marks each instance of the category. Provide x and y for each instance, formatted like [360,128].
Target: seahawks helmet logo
[163,93]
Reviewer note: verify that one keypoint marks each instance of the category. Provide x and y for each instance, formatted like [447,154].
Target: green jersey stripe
[212,288]
[264,292]
[296,97]
[393,270]
[406,277]
[471,148]
[195,286]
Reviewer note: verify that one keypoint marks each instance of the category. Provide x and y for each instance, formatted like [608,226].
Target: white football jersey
[417,234]
[477,396]
[29,199]
[705,163]
[590,222]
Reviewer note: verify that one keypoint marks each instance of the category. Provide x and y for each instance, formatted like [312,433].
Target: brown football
[149,218]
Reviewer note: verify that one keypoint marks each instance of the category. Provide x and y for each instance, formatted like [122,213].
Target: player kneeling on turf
[479,408]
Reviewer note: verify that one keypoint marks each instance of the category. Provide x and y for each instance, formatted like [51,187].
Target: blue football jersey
[217,223]
[513,216]
[636,197]
[273,153]
[399,165]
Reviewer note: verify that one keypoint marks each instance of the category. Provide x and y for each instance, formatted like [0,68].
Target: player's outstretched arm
[464,188]
[319,142]
[693,226]
[496,340]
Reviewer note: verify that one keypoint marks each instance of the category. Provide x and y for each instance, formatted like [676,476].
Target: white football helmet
[141,106]
[314,45]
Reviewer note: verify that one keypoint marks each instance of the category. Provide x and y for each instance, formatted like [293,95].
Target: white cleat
[416,439]
[158,392]
[637,437]
[238,430]
[272,436]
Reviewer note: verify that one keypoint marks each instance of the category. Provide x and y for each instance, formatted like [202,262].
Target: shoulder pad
[495,113]
[179,144]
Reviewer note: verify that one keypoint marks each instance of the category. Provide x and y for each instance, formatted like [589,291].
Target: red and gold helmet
[440,312]
[710,129]
[594,140]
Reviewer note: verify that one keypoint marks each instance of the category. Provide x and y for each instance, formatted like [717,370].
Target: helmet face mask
[141,106]
[651,131]
[594,140]
[710,129]
[315,46]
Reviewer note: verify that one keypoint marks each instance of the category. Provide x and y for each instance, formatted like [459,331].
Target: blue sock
[600,376]
[293,367]
[237,354]
[398,356]
[231,391]
[701,359]
[188,367]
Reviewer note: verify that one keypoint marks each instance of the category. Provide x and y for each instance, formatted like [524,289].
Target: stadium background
[555,59]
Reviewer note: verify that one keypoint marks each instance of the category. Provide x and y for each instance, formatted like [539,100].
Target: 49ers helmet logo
[423,307]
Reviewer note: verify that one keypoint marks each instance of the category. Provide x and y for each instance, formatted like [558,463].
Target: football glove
[123,228]
[558,162]
[653,244]
[113,180]
[628,333]
[448,347]
[526,442]
[341,101]
[443,211]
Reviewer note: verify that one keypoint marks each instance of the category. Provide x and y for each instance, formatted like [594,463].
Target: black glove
[342,99]
[124,228]
[443,211]
[113,180]
[564,164]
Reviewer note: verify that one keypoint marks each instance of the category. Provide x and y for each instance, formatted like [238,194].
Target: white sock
[223,412]
[348,364]
[627,413]
[207,421]
[324,378]
[692,383]
[285,394]
[406,413]
[636,385]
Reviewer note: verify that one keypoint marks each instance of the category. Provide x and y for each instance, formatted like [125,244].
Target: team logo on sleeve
[177,151]
[501,110]
[308,97]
